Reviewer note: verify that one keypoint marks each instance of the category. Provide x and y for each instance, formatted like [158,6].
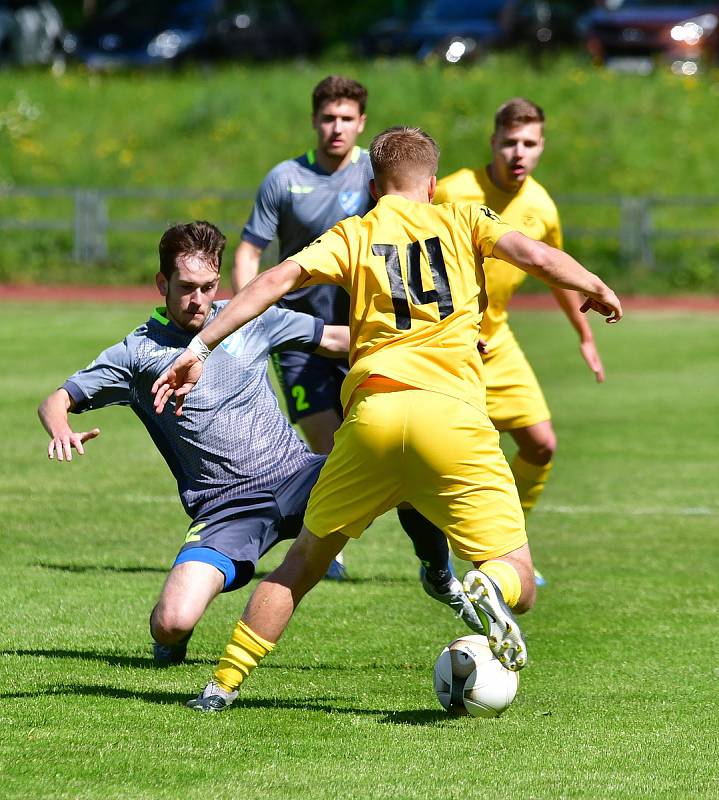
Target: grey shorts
[234,533]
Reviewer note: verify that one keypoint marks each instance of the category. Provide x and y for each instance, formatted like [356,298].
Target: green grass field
[619,700]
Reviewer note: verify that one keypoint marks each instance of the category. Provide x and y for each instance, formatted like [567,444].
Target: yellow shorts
[514,398]
[437,453]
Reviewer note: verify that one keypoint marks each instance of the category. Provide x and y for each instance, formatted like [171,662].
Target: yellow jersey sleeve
[530,210]
[553,232]
[328,259]
[487,229]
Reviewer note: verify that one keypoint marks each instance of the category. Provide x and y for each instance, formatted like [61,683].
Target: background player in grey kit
[298,201]
[243,475]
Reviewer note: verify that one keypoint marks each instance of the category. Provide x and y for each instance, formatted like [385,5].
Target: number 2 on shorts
[299,394]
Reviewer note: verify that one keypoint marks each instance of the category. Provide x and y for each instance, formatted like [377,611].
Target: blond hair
[404,154]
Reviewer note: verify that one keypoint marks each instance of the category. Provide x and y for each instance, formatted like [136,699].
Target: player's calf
[445,588]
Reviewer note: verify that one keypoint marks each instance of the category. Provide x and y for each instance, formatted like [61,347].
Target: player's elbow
[285,277]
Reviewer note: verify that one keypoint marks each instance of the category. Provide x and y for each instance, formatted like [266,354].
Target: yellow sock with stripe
[530,480]
[506,577]
[243,653]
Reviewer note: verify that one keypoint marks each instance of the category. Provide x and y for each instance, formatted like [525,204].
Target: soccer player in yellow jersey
[515,401]
[416,428]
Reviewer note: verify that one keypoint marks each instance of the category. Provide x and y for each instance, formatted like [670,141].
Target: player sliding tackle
[415,415]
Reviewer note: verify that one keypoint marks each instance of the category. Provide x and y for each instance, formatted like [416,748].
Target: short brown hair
[199,238]
[335,87]
[517,111]
[400,150]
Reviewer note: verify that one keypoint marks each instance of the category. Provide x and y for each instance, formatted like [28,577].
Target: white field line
[60,496]
[633,511]
[542,508]
[150,499]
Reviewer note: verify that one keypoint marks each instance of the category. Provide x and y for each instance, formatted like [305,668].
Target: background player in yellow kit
[514,399]
[415,427]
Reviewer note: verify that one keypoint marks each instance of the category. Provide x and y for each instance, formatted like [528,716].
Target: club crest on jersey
[234,344]
[350,202]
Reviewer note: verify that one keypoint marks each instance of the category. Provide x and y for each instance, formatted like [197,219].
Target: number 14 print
[440,295]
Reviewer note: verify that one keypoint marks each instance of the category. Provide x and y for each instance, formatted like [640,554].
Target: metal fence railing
[638,229]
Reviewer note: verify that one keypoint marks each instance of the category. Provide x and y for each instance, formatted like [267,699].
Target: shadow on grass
[259,574]
[146,662]
[80,568]
[111,659]
[389,580]
[417,717]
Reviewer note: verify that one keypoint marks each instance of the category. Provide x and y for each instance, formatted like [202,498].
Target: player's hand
[179,381]
[591,355]
[604,302]
[483,346]
[61,445]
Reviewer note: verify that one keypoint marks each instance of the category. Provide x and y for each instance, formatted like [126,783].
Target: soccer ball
[468,679]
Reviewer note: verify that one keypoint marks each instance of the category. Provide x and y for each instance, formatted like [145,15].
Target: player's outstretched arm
[571,303]
[259,294]
[335,342]
[53,413]
[559,269]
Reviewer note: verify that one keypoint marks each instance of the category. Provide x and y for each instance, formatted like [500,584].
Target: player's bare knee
[537,444]
[170,624]
[540,451]
[548,445]
[302,567]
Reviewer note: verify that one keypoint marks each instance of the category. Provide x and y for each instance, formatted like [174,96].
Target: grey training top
[232,437]
[297,202]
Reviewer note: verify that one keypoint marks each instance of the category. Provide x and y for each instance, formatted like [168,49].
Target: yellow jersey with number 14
[530,210]
[414,275]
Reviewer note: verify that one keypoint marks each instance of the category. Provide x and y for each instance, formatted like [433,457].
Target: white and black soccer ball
[468,679]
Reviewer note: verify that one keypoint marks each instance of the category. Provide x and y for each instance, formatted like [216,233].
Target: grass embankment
[221,130]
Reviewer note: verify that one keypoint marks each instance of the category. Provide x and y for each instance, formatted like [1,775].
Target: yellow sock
[530,480]
[243,653]
[506,577]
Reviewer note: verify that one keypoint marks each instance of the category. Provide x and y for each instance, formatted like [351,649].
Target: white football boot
[500,627]
[212,698]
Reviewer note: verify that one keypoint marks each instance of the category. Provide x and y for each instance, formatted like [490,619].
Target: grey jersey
[297,202]
[232,437]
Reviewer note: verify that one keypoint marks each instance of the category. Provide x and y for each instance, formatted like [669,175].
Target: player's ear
[432,187]
[373,189]
[161,283]
[362,120]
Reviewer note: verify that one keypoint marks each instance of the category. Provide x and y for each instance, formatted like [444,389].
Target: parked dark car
[637,33]
[482,24]
[464,29]
[31,33]
[142,33]
[553,21]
